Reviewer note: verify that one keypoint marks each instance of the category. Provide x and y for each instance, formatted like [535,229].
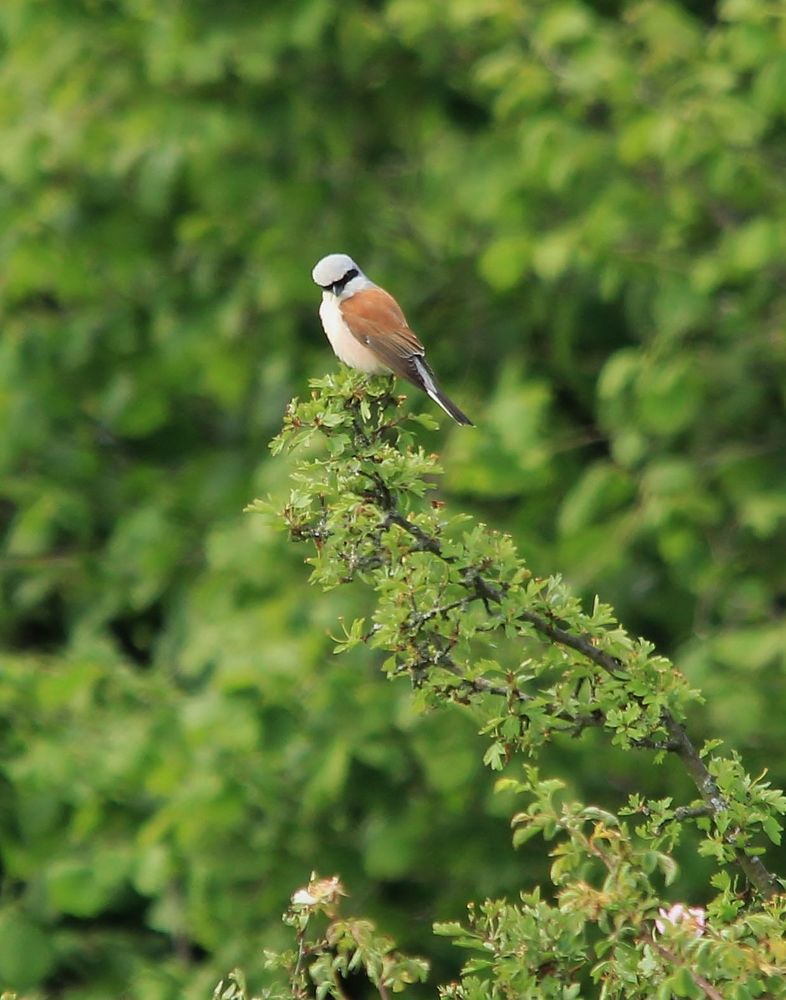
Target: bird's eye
[338,286]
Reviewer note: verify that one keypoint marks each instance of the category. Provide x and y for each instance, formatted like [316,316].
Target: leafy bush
[463,618]
[581,208]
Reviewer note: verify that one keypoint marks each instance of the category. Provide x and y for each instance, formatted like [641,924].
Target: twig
[703,984]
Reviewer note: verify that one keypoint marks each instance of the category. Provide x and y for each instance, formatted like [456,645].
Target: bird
[367,329]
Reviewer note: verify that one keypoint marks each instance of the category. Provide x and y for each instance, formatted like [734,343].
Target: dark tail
[449,407]
[428,383]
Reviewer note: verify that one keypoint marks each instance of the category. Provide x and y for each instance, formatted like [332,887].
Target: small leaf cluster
[608,907]
[329,950]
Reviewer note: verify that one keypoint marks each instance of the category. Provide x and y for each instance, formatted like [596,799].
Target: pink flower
[693,916]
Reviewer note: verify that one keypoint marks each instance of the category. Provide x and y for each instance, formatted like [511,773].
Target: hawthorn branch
[430,648]
[555,632]
[704,984]
[753,867]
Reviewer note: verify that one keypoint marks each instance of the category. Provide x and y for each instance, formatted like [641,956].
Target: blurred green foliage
[581,207]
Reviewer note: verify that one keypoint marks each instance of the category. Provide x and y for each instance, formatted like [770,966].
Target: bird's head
[339,274]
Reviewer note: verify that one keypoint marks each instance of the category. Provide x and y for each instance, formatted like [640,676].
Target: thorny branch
[479,588]
[678,741]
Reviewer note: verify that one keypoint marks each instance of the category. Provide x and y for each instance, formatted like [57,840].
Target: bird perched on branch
[367,329]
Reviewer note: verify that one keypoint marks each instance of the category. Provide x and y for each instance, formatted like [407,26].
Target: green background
[582,208]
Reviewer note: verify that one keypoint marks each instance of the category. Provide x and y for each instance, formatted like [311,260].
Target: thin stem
[704,984]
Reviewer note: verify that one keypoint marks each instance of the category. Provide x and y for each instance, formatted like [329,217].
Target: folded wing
[375,319]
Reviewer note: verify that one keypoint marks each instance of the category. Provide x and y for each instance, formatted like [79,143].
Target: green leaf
[26,952]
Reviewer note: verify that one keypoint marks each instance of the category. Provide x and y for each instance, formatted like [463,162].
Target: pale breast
[346,347]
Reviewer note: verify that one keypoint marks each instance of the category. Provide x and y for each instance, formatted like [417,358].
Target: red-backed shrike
[367,329]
